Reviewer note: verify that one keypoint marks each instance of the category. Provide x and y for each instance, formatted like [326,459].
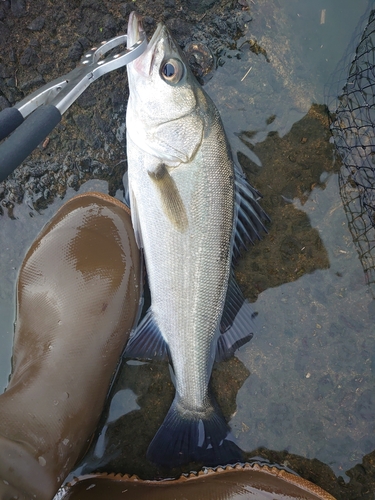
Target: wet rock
[37,24]
[88,98]
[15,193]
[59,16]
[118,100]
[38,200]
[105,128]
[72,181]
[45,68]
[4,34]
[29,57]
[178,27]
[38,80]
[93,4]
[242,18]
[4,71]
[200,5]
[109,26]
[18,8]
[201,60]
[10,82]
[85,165]
[34,42]
[12,55]
[99,168]
[149,21]
[126,8]
[92,25]
[75,52]
[3,103]
[2,12]
[221,25]
[84,123]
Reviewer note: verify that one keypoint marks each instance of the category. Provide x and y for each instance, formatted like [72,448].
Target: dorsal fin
[249,215]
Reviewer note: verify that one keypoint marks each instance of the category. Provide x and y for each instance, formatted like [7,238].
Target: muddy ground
[40,41]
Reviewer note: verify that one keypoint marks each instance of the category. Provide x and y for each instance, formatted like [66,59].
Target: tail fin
[186,437]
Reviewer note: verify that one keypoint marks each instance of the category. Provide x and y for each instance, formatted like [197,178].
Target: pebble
[37,24]
[18,8]
[29,57]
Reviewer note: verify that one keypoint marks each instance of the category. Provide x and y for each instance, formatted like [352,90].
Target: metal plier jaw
[33,118]
[63,91]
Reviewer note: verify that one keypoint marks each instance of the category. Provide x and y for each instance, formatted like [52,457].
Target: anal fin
[237,322]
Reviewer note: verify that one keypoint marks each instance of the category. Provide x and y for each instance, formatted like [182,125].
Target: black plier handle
[33,118]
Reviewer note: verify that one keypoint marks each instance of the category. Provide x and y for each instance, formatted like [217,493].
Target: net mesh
[353,131]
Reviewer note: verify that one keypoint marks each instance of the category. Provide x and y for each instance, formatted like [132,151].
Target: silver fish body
[183,200]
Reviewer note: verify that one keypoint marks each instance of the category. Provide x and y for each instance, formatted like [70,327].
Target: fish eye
[172,71]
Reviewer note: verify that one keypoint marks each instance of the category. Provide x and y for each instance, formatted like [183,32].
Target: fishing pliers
[33,118]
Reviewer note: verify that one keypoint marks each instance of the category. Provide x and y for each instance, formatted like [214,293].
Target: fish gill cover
[353,130]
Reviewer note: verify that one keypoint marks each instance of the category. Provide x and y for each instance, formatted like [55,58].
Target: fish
[260,482]
[193,212]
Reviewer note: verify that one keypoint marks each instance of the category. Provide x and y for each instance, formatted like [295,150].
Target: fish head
[165,100]
[160,76]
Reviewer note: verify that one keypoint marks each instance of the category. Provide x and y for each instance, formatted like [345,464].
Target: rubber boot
[78,295]
[246,481]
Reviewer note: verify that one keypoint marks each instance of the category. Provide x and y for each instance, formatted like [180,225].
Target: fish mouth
[143,64]
[135,27]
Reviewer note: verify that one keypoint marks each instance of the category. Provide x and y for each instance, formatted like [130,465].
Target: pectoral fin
[171,201]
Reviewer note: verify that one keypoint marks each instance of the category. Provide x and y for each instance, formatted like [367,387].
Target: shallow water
[305,382]
[311,365]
